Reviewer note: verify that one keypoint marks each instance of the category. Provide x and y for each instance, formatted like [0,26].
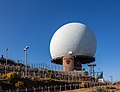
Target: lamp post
[6,60]
[111,79]
[25,50]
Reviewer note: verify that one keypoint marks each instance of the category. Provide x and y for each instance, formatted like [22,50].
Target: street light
[6,60]
[25,50]
[111,79]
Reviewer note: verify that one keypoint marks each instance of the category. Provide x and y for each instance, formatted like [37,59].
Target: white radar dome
[73,38]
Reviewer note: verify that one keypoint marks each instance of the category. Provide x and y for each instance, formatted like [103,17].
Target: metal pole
[111,79]
[90,70]
[25,63]
[25,49]
[6,60]
[93,72]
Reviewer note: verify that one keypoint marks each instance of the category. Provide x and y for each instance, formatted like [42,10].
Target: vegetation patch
[110,87]
[101,90]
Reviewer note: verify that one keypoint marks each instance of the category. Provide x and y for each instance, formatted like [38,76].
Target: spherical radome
[73,37]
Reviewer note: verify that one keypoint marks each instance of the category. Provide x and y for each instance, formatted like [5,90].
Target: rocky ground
[117,88]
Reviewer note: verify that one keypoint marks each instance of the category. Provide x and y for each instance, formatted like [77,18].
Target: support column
[68,63]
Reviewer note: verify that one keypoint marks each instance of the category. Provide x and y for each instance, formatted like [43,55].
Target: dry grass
[109,88]
[101,90]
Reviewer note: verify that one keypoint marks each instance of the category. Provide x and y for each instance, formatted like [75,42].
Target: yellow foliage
[82,84]
[19,84]
[10,75]
[4,76]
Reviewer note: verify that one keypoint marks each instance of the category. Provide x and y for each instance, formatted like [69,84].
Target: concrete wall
[68,63]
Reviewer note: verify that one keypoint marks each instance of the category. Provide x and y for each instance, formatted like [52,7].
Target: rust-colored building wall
[68,63]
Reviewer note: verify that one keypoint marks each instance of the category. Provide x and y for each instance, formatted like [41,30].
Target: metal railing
[56,88]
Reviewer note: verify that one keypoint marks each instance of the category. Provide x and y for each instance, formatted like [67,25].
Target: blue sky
[33,22]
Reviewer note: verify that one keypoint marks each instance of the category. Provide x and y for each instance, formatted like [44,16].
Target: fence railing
[45,73]
[56,88]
